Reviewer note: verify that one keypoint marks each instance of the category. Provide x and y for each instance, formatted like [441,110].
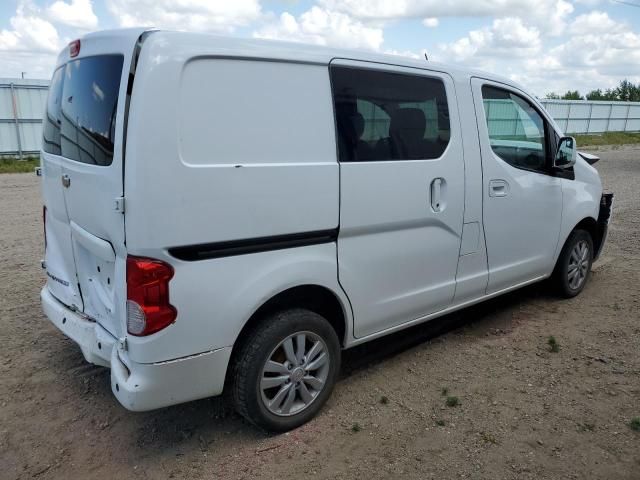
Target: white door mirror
[566,153]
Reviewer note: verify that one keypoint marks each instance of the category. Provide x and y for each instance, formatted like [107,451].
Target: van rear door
[83,170]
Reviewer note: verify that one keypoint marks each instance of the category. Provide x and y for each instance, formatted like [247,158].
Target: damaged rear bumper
[140,386]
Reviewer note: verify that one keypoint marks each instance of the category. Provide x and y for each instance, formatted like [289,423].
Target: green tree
[552,96]
[625,90]
[572,95]
[595,95]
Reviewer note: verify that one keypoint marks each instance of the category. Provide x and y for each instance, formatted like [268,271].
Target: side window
[516,129]
[389,116]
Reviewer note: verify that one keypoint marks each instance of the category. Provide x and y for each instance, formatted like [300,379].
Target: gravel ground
[524,412]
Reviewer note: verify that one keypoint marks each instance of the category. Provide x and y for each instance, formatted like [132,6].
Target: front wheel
[574,264]
[286,369]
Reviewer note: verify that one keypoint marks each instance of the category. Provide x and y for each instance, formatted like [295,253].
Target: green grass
[609,138]
[554,346]
[635,424]
[452,401]
[18,166]
[355,428]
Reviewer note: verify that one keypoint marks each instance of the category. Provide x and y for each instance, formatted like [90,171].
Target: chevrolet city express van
[231,214]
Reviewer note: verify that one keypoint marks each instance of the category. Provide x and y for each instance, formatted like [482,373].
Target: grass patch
[440,422]
[586,427]
[384,399]
[452,401]
[18,166]
[554,346]
[609,138]
[635,424]
[444,391]
[355,428]
[488,438]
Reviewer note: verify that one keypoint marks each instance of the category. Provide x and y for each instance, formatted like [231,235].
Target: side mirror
[566,153]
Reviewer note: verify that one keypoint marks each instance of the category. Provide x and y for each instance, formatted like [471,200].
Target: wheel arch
[317,298]
[590,225]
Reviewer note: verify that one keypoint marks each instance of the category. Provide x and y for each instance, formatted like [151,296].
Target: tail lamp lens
[148,307]
[74,48]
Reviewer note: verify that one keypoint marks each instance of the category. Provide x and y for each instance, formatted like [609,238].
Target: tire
[573,254]
[292,388]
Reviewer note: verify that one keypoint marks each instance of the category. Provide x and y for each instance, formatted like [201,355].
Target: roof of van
[216,45]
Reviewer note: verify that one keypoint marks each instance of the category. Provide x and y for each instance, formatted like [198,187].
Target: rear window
[81,109]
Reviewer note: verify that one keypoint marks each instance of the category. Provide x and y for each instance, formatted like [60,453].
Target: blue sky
[547,45]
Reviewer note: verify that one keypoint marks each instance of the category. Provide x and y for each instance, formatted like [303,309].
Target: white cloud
[505,36]
[76,13]
[30,45]
[29,32]
[191,15]
[548,15]
[323,27]
[597,52]
[598,42]
[592,23]
[430,22]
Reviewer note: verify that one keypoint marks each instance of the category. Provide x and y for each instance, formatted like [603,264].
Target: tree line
[625,92]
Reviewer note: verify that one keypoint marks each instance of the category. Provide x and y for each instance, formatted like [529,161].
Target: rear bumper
[140,386]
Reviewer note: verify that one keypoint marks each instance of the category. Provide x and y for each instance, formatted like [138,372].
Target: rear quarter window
[81,109]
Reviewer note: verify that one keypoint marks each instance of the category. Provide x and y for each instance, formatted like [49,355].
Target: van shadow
[477,320]
[207,425]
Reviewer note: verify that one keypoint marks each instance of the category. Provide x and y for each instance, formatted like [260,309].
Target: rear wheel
[286,369]
[574,264]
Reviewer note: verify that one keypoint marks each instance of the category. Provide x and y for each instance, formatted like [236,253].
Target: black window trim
[343,62]
[549,133]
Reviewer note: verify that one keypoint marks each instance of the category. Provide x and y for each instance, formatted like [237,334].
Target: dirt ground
[524,412]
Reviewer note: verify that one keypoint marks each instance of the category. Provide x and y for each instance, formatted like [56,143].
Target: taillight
[148,307]
[74,48]
[44,225]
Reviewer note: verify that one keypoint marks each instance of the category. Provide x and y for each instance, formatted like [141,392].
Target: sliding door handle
[498,188]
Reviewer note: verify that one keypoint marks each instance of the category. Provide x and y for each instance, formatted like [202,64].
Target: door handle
[437,187]
[66,180]
[498,188]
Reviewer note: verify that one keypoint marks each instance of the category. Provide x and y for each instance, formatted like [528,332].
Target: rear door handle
[437,186]
[498,188]
[66,181]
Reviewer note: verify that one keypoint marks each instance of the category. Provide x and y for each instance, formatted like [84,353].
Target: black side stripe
[204,251]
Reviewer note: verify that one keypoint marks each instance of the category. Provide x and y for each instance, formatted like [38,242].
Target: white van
[231,213]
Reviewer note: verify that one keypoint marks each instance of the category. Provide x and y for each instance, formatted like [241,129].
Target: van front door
[522,200]
[401,191]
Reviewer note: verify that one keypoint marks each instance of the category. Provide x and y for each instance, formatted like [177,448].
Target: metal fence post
[627,117]
[15,118]
[606,129]
[589,119]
